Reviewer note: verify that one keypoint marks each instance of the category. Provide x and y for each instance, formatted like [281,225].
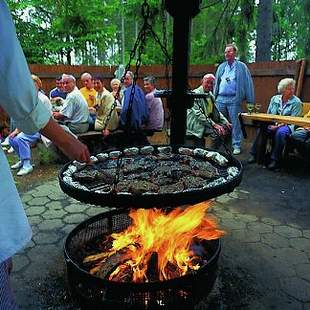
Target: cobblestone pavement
[264,262]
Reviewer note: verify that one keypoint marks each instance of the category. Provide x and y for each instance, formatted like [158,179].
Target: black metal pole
[179,97]
[182,11]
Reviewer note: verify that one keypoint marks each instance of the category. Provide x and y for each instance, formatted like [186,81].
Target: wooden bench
[305,108]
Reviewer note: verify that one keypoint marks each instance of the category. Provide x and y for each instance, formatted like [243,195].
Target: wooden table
[263,120]
[271,118]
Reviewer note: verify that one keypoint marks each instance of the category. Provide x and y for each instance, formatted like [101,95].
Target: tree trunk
[264,31]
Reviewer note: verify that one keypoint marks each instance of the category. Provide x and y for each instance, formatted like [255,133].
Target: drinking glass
[250,107]
[257,107]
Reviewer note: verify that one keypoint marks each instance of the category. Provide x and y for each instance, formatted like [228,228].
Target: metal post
[182,13]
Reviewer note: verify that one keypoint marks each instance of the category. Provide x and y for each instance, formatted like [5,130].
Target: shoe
[273,165]
[10,150]
[251,159]
[24,171]
[5,142]
[18,165]
[236,151]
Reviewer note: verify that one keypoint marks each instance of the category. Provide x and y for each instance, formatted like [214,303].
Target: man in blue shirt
[233,84]
[58,90]
[134,113]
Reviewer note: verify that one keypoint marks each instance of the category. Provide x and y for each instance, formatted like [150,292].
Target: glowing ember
[159,245]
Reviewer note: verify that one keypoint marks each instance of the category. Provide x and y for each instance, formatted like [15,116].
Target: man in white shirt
[74,112]
[30,116]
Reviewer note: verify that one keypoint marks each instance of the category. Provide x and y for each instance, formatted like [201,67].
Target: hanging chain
[138,50]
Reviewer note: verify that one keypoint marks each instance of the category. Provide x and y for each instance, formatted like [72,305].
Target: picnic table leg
[261,144]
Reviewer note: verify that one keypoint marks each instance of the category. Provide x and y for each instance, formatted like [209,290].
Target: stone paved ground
[264,261]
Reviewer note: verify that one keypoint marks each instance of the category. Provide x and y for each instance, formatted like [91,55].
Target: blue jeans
[279,142]
[231,111]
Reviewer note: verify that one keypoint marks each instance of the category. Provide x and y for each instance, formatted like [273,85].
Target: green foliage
[79,32]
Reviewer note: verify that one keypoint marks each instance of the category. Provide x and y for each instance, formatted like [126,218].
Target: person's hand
[74,149]
[69,145]
[105,132]
[219,129]
[272,127]
[229,125]
[14,133]
[57,115]
[92,110]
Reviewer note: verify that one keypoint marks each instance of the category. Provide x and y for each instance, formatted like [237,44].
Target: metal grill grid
[93,194]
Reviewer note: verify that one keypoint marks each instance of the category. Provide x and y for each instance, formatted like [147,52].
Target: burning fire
[159,246]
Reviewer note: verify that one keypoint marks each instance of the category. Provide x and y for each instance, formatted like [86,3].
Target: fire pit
[163,176]
[101,273]
[94,292]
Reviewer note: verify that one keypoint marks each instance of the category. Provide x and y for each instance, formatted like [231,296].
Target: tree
[264,31]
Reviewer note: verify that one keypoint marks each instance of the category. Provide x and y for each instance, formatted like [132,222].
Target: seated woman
[117,93]
[22,142]
[204,119]
[286,103]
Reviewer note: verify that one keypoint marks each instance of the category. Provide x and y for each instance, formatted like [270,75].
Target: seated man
[134,114]
[155,106]
[58,90]
[204,119]
[301,138]
[74,111]
[285,103]
[106,113]
[89,94]
[22,142]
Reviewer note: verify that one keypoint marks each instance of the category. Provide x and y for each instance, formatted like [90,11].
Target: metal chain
[139,49]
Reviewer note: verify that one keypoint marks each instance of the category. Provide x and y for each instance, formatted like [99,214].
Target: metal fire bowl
[93,292]
[150,200]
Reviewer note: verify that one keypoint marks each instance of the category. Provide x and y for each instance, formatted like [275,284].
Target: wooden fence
[266,76]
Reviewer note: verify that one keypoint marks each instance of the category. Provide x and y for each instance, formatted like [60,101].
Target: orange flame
[170,236]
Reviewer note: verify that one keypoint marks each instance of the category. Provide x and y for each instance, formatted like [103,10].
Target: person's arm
[70,146]
[297,108]
[249,87]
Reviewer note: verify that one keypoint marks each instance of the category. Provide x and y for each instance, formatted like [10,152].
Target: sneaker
[18,165]
[251,159]
[24,171]
[236,151]
[273,165]
[5,142]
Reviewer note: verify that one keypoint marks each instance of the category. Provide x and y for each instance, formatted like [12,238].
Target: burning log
[156,246]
